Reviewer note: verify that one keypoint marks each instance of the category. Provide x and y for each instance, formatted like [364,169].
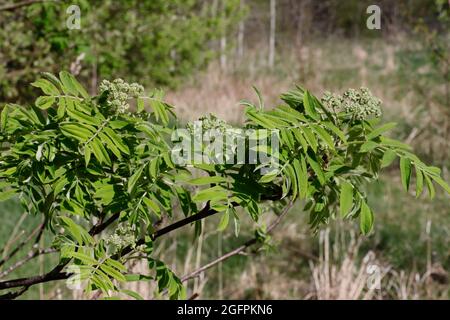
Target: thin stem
[238,250]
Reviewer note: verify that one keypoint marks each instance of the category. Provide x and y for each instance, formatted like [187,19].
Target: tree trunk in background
[223,38]
[272,33]
[223,53]
[240,37]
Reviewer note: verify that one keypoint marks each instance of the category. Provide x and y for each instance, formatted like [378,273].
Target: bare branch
[12,7]
[238,250]
[15,235]
[56,273]
[31,255]
[39,230]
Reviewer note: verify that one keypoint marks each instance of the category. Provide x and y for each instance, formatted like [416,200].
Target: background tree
[159,41]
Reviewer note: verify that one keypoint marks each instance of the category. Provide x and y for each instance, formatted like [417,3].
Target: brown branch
[11,7]
[100,226]
[238,250]
[204,213]
[14,294]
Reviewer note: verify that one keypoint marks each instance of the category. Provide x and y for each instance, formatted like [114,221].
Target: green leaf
[140,104]
[405,172]
[54,80]
[311,138]
[316,167]
[268,177]
[105,193]
[113,272]
[46,86]
[431,190]
[87,154]
[289,169]
[111,145]
[73,229]
[260,99]
[61,108]
[87,260]
[71,85]
[134,179]
[366,218]
[308,103]
[336,131]
[81,90]
[419,181]
[74,131]
[388,157]
[394,143]
[224,219]
[117,140]
[153,167]
[215,193]
[442,183]
[5,195]
[380,130]
[207,180]
[237,222]
[160,110]
[137,277]
[346,198]
[44,102]
[4,117]
[100,283]
[323,134]
[253,209]
[100,152]
[82,117]
[152,206]
[368,146]
[302,176]
[132,294]
[67,84]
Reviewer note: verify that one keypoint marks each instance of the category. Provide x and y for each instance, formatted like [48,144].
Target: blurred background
[207,55]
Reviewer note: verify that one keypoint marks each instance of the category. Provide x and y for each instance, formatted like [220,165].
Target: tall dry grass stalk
[347,278]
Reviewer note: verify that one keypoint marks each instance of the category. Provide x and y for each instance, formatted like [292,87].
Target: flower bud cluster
[209,122]
[122,237]
[360,104]
[119,92]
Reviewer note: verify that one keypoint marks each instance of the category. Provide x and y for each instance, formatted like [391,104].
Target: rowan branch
[57,274]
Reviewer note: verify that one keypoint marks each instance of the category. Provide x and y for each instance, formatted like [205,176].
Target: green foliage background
[155,42]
